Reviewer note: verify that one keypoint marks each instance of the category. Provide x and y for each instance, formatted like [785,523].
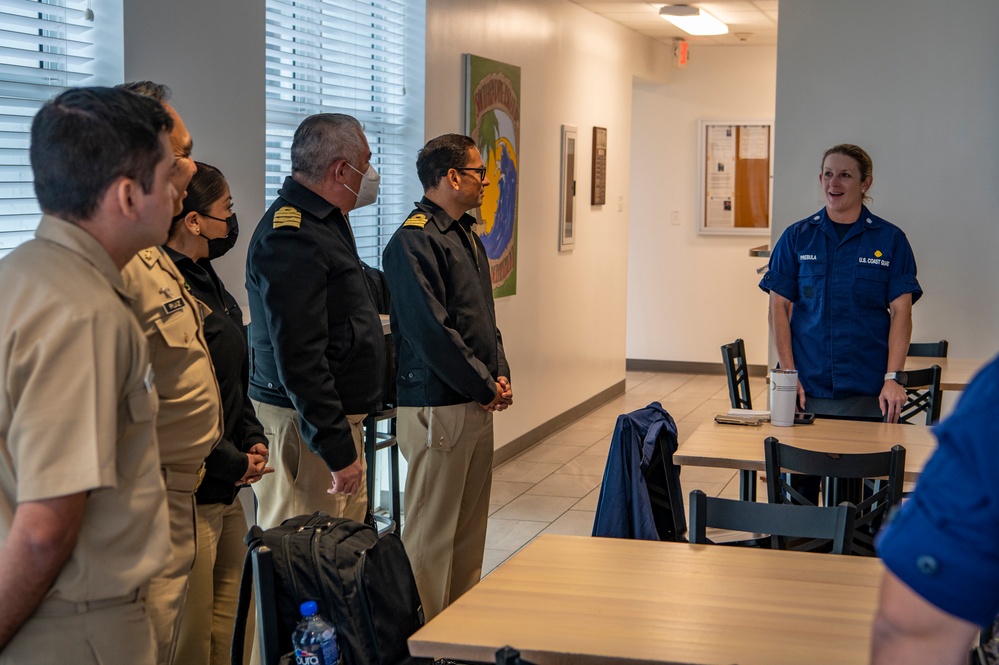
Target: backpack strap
[253,540]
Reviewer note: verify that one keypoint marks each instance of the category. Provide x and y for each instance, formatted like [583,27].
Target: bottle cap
[308,608]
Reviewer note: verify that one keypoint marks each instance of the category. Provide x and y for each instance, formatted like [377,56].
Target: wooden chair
[734,358]
[928,349]
[781,521]
[923,395]
[859,476]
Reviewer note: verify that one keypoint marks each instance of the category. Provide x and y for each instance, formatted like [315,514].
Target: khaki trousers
[116,635]
[300,479]
[210,611]
[168,590]
[449,450]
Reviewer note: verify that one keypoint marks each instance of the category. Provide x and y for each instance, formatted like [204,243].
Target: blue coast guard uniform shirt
[944,542]
[841,290]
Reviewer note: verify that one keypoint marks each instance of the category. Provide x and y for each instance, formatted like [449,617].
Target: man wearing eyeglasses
[452,372]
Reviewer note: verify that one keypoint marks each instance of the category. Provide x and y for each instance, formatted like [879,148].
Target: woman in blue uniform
[842,284]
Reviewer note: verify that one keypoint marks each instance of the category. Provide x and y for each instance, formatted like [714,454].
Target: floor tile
[511,534]
[588,502]
[598,449]
[492,559]
[559,484]
[534,507]
[504,491]
[551,452]
[585,466]
[524,471]
[572,523]
[576,437]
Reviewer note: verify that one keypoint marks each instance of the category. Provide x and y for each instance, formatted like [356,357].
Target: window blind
[347,56]
[46,46]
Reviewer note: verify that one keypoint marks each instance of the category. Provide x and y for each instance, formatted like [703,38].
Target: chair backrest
[781,521]
[928,349]
[923,395]
[662,479]
[734,358]
[882,475]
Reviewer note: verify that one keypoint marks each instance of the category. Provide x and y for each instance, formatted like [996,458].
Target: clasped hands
[503,398]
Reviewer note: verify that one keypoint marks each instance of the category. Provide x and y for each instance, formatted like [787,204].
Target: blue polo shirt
[841,290]
[944,542]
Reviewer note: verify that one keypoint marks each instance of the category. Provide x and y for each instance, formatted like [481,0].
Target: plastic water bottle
[314,639]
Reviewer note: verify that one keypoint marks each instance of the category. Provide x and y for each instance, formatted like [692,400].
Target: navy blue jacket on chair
[640,497]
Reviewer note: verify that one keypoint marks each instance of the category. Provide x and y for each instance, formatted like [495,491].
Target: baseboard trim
[685,367]
[541,432]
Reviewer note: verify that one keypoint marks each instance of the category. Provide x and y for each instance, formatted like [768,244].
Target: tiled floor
[553,487]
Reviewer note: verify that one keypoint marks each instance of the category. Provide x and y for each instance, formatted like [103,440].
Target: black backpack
[362,583]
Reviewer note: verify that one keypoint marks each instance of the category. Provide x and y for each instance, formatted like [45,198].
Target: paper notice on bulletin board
[720,175]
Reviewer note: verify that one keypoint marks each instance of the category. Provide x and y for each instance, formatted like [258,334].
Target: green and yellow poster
[492,102]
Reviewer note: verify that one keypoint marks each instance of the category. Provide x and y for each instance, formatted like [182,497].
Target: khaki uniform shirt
[189,423]
[77,409]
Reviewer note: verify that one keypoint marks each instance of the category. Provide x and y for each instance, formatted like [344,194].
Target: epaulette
[149,256]
[288,216]
[418,220]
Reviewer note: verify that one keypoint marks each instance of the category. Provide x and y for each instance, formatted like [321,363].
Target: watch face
[902,378]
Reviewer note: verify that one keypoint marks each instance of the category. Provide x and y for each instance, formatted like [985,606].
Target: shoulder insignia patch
[288,216]
[149,257]
[419,220]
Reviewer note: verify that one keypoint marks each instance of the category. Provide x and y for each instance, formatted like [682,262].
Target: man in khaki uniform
[189,423]
[81,497]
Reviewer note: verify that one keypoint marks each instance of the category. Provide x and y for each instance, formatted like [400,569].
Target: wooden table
[573,600]
[955,373]
[741,447]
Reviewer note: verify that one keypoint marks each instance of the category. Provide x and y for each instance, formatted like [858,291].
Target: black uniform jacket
[443,319]
[316,341]
[227,345]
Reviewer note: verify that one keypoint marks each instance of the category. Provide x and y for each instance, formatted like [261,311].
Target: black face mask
[219,246]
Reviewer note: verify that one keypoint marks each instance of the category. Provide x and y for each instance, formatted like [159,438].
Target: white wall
[211,54]
[688,294]
[564,330]
[915,85]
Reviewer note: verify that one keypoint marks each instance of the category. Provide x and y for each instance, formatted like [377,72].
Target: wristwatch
[901,378]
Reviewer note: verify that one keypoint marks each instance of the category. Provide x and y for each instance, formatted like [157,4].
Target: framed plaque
[598,181]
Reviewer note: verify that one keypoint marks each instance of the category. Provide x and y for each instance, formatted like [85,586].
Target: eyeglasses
[481,170]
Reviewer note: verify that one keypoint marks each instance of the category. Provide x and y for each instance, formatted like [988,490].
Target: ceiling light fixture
[692,20]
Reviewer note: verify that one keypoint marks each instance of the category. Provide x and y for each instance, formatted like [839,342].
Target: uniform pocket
[176,331]
[811,280]
[871,287]
[444,426]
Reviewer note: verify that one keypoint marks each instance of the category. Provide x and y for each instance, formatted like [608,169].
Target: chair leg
[747,485]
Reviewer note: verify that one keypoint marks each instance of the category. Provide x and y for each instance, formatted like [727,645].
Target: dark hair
[322,139]
[206,187]
[859,155]
[157,91]
[440,155]
[85,139]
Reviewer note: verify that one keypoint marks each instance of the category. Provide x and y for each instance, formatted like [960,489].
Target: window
[46,46]
[360,57]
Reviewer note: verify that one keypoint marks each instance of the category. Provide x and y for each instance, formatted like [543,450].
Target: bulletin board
[736,177]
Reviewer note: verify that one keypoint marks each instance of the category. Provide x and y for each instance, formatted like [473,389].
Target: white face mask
[367,193]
